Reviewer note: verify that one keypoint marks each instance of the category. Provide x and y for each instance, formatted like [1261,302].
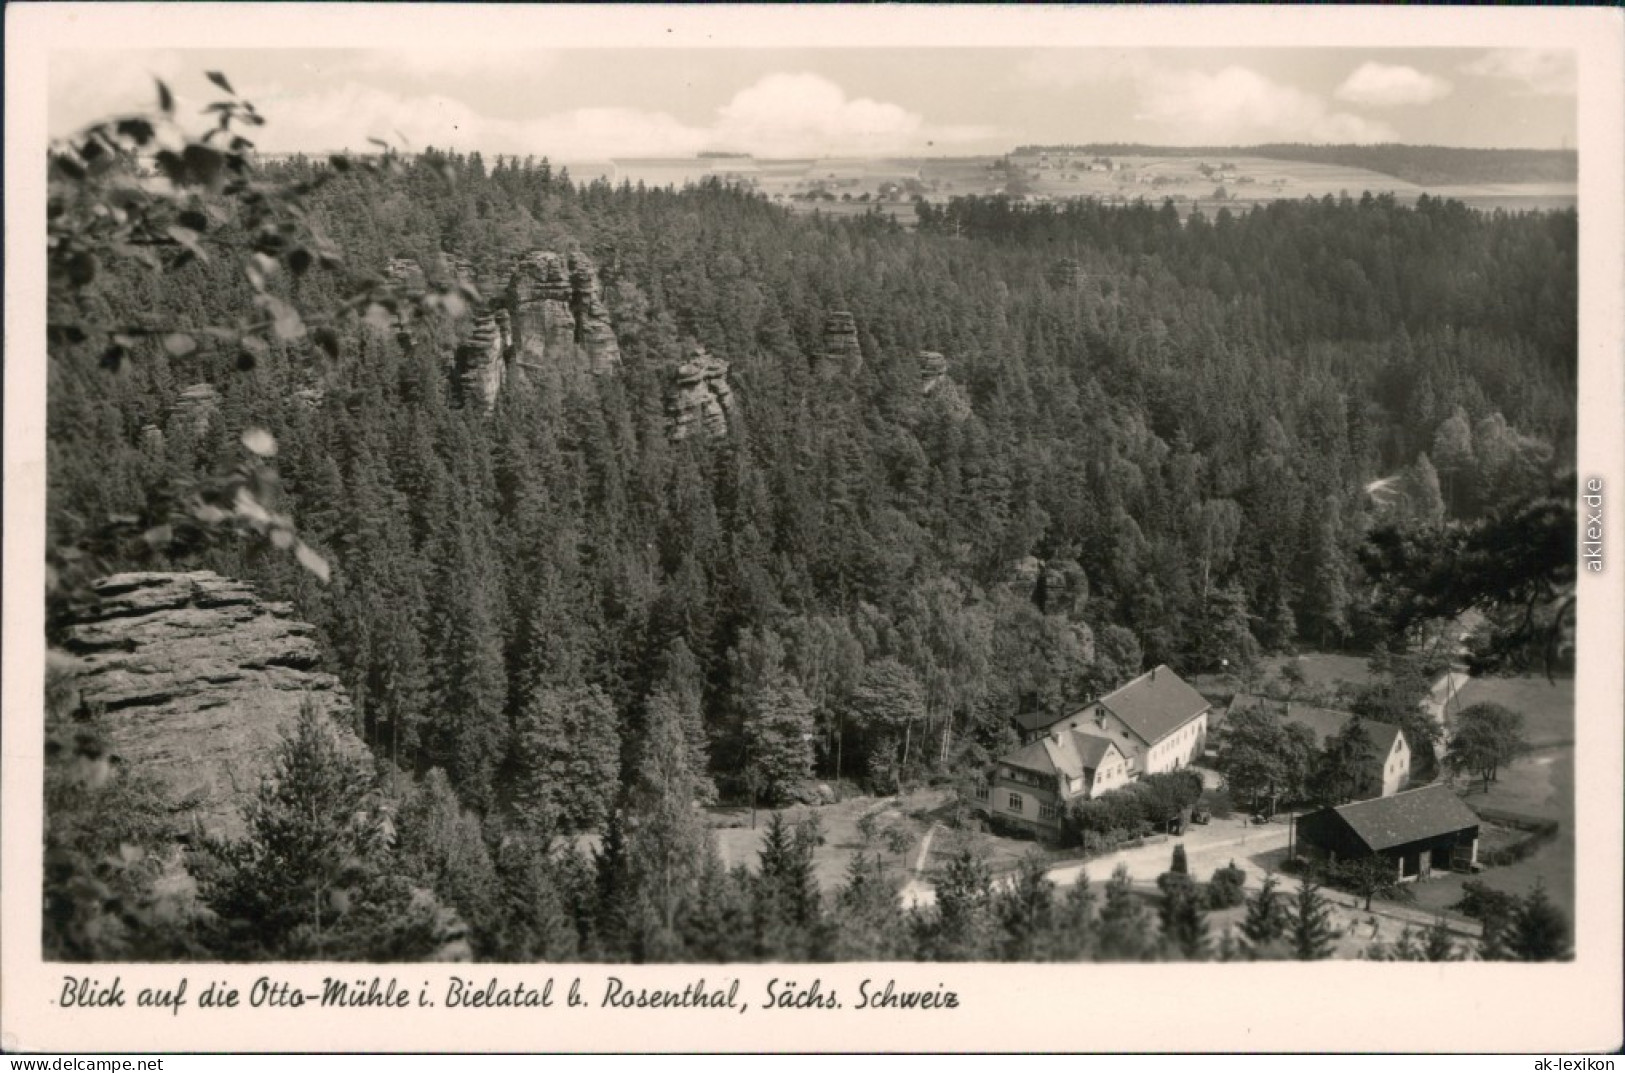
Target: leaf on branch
[68,166]
[188,239]
[179,344]
[81,269]
[285,319]
[260,442]
[166,99]
[311,561]
[201,165]
[137,130]
[64,334]
[220,80]
[328,340]
[378,318]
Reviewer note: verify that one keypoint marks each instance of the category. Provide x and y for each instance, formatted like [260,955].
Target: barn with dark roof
[1421,831]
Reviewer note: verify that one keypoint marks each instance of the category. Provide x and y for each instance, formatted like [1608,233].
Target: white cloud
[779,115]
[1238,105]
[790,115]
[1186,105]
[1541,72]
[1383,85]
[84,87]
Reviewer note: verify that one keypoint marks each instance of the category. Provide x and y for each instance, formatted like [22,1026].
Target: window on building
[1015,803]
[1046,811]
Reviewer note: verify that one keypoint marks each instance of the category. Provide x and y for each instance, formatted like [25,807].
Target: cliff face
[538,301]
[842,356]
[198,677]
[560,323]
[933,371]
[593,332]
[700,401]
[482,359]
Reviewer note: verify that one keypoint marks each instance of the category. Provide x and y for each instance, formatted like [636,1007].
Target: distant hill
[1425,165]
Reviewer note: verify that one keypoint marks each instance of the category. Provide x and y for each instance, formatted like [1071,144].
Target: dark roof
[1155,704]
[1385,822]
[1070,753]
[1323,723]
[1035,720]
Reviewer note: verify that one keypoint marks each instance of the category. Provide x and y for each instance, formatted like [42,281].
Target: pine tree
[1309,928]
[1124,931]
[788,908]
[1540,931]
[1025,906]
[667,839]
[1183,917]
[1439,945]
[1179,866]
[567,759]
[872,924]
[1267,918]
[778,741]
[536,923]
[441,845]
[313,876]
[961,929]
[1073,936]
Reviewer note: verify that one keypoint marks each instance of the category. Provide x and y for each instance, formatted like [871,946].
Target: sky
[595,104]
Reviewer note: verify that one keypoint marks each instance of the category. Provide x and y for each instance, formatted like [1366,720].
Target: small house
[1390,768]
[1420,831]
[1031,787]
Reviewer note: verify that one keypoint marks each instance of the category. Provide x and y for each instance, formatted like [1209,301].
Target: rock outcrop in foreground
[198,677]
[701,401]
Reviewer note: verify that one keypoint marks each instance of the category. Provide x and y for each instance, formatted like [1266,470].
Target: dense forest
[1146,441]
[1425,165]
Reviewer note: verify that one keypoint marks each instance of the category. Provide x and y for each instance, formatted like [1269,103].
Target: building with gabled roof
[1157,721]
[1031,787]
[1390,768]
[1421,831]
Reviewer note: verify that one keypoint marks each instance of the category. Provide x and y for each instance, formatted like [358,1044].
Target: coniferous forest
[1049,447]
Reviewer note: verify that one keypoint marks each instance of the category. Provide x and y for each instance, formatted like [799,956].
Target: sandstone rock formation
[538,301]
[933,370]
[593,331]
[545,317]
[482,359]
[558,315]
[198,677]
[842,355]
[196,406]
[701,401]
